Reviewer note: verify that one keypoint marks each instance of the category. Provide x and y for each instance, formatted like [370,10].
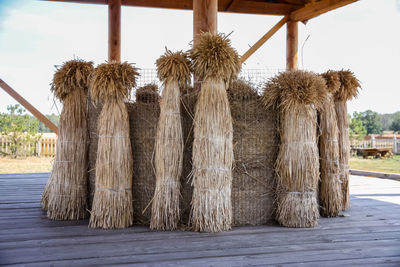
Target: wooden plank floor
[369,234]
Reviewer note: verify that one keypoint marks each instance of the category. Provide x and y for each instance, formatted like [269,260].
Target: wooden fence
[45,147]
[378,143]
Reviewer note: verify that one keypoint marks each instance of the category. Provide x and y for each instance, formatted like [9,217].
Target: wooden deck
[369,235]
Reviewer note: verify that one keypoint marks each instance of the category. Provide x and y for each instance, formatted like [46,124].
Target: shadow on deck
[370,235]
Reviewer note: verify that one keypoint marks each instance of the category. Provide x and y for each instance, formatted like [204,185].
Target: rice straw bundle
[348,89]
[330,193]
[65,195]
[215,63]
[297,95]
[112,201]
[173,69]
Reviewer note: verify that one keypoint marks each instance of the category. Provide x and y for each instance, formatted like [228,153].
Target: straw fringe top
[349,86]
[332,81]
[70,76]
[175,66]
[213,57]
[113,81]
[294,88]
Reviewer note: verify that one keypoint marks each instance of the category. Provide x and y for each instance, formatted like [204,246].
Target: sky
[37,35]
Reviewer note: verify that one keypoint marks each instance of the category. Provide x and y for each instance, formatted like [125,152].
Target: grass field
[23,165]
[391,165]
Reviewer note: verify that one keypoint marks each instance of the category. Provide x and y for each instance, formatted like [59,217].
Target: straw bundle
[215,63]
[65,195]
[297,95]
[330,193]
[348,89]
[173,69]
[112,202]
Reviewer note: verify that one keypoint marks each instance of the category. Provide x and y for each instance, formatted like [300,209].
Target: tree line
[371,122]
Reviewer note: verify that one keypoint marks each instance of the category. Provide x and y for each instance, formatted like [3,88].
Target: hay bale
[255,145]
[215,63]
[112,201]
[173,69]
[330,193]
[65,195]
[144,118]
[297,94]
[348,89]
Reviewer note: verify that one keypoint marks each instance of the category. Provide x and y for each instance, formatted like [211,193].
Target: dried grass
[113,81]
[241,90]
[212,160]
[213,57]
[65,195]
[297,94]
[112,202]
[216,63]
[174,66]
[330,194]
[173,70]
[348,89]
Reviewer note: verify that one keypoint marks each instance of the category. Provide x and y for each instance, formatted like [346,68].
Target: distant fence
[378,143]
[45,147]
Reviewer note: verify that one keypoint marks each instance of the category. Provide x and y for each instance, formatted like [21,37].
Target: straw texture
[112,201]
[216,63]
[173,69]
[65,195]
[330,194]
[255,147]
[349,86]
[297,94]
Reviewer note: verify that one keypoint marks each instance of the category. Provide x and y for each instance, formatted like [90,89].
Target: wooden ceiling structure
[205,17]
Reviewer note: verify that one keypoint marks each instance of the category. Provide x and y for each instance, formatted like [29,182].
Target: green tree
[357,130]
[53,118]
[372,122]
[19,128]
[396,123]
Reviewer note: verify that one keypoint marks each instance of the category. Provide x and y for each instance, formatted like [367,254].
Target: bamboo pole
[114,30]
[291,45]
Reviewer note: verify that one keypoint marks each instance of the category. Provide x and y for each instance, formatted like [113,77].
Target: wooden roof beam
[263,39]
[314,9]
[28,106]
[247,7]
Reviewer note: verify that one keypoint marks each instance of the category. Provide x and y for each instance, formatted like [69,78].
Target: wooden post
[114,30]
[291,45]
[205,14]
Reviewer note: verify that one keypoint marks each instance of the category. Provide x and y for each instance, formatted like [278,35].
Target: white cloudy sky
[36,35]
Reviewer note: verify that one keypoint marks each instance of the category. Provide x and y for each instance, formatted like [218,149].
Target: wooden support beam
[114,30]
[28,106]
[205,13]
[246,7]
[314,9]
[263,39]
[291,45]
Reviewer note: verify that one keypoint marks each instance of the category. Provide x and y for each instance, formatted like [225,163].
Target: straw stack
[112,201]
[215,63]
[330,194]
[297,95]
[173,69]
[65,195]
[347,90]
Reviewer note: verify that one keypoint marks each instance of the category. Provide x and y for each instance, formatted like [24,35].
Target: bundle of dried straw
[215,63]
[348,89]
[65,195]
[297,95]
[173,69]
[330,194]
[112,201]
